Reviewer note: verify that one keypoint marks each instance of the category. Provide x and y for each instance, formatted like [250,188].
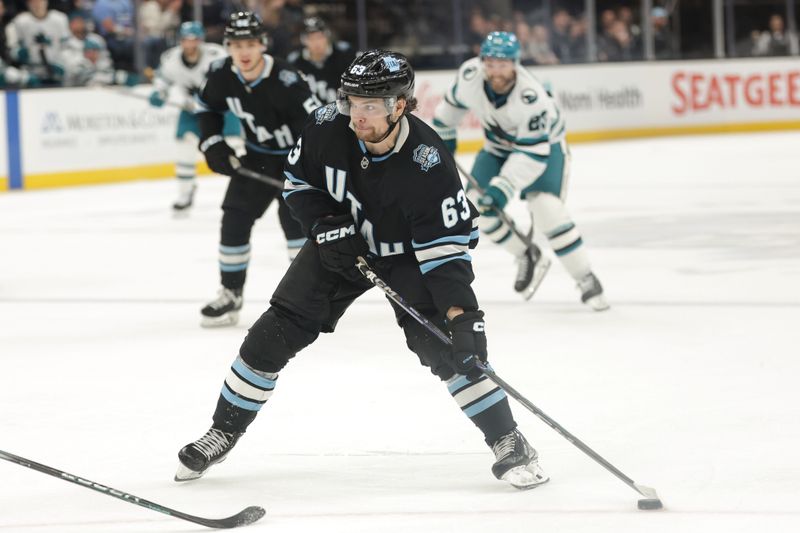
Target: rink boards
[62,137]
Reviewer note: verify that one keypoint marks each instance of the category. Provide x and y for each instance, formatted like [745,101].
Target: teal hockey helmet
[501,45]
[191,30]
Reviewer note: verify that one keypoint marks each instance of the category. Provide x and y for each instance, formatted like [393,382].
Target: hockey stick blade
[242,518]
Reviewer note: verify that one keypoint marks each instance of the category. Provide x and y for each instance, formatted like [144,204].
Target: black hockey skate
[531,269]
[592,292]
[517,462]
[197,457]
[224,311]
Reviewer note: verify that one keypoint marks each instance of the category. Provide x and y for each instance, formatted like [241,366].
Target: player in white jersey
[525,154]
[182,69]
[36,39]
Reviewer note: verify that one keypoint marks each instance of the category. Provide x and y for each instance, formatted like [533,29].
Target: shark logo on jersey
[529,96]
[287,77]
[325,113]
[497,134]
[470,72]
[427,157]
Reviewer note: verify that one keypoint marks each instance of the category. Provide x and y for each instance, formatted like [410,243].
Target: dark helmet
[314,24]
[379,74]
[244,25]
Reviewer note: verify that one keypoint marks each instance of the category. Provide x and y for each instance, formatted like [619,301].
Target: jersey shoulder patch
[288,77]
[528,96]
[426,156]
[326,113]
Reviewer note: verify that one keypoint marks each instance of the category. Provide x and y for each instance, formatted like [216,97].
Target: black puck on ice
[649,504]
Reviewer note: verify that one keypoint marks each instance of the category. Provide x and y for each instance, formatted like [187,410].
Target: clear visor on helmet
[366,106]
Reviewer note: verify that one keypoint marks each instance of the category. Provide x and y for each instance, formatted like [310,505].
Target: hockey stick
[168,103]
[242,518]
[650,500]
[535,252]
[263,178]
[502,215]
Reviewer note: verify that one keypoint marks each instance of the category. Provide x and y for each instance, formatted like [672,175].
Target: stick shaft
[365,269]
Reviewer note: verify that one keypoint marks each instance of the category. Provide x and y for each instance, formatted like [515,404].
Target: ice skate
[531,269]
[224,311]
[197,457]
[185,200]
[592,292]
[517,462]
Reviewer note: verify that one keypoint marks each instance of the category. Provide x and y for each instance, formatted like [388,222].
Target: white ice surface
[689,384]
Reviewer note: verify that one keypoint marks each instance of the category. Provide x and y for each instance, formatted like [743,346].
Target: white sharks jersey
[38,41]
[520,126]
[173,70]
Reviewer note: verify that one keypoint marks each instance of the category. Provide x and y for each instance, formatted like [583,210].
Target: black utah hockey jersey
[409,201]
[324,77]
[272,108]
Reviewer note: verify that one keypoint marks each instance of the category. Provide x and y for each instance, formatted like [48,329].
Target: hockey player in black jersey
[271,100]
[367,178]
[322,60]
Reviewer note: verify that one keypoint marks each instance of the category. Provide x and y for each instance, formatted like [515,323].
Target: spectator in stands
[748,47]
[538,46]
[93,67]
[36,40]
[776,41]
[663,41]
[625,14]
[618,45]
[114,21]
[4,56]
[577,39]
[80,26]
[158,21]
[607,19]
[478,30]
[560,41]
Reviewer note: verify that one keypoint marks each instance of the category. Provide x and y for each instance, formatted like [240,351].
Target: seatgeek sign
[613,100]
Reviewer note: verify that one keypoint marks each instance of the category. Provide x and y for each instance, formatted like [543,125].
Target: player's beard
[369,135]
[501,84]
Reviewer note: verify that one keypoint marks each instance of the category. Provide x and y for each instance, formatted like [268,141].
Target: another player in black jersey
[271,100]
[367,178]
[322,60]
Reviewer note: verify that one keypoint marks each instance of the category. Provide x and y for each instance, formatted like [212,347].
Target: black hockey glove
[469,344]
[338,242]
[221,158]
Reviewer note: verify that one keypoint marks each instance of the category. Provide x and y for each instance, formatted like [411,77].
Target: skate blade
[539,272]
[598,303]
[187,474]
[230,318]
[526,477]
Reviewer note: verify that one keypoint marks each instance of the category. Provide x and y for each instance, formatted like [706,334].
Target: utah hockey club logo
[325,113]
[287,77]
[427,156]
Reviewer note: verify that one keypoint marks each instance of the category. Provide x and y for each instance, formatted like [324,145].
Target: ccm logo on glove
[336,234]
